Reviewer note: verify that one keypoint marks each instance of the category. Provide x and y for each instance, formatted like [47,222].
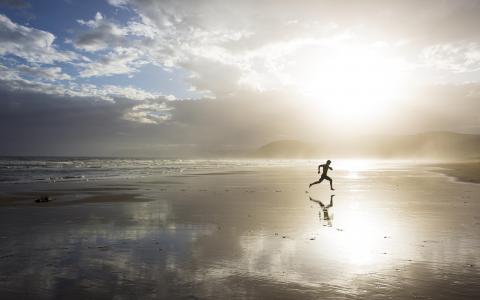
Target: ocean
[59,169]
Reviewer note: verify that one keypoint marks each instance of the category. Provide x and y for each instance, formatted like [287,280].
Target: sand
[398,232]
[462,171]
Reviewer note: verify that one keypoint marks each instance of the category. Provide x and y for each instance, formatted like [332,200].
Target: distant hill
[286,149]
[434,145]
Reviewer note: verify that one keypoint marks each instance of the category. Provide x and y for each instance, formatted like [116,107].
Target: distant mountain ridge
[424,145]
[287,149]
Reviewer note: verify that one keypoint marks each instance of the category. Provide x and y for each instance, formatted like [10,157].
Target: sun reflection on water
[359,237]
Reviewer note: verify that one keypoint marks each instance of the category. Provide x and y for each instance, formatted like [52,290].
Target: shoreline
[467,172]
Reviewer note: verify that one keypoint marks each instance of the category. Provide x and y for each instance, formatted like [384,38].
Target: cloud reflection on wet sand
[401,235]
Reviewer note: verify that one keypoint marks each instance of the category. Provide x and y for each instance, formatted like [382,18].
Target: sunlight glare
[353,82]
[355,165]
[361,239]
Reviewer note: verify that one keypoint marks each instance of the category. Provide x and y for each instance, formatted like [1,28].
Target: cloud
[238,39]
[34,122]
[173,44]
[127,46]
[101,34]
[456,57]
[119,61]
[73,125]
[85,124]
[130,93]
[8,74]
[12,81]
[43,73]
[149,113]
[33,45]
[15,3]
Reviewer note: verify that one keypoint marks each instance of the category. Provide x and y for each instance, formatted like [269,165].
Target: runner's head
[328,162]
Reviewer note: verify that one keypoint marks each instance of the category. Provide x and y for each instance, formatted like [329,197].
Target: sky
[208,78]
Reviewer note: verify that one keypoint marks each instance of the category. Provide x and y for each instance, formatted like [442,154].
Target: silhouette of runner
[326,214]
[325,168]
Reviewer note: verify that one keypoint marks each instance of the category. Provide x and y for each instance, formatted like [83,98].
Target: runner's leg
[331,182]
[316,182]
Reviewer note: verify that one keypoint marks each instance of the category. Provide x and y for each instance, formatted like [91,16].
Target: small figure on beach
[326,214]
[325,167]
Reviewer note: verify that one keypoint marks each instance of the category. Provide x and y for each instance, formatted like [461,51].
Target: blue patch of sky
[59,17]
[11,61]
[22,15]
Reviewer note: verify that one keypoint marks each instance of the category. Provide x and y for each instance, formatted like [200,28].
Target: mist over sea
[59,169]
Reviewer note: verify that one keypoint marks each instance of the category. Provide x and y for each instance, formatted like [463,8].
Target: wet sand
[462,171]
[396,232]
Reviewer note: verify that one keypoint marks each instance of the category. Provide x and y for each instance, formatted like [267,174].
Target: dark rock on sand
[43,198]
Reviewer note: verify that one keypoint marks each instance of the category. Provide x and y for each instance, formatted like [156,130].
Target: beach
[244,230]
[468,171]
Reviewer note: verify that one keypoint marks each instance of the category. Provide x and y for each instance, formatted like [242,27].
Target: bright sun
[351,83]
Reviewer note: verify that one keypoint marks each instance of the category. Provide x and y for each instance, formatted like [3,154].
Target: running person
[325,168]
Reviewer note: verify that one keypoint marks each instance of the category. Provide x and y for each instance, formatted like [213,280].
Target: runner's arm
[319,166]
